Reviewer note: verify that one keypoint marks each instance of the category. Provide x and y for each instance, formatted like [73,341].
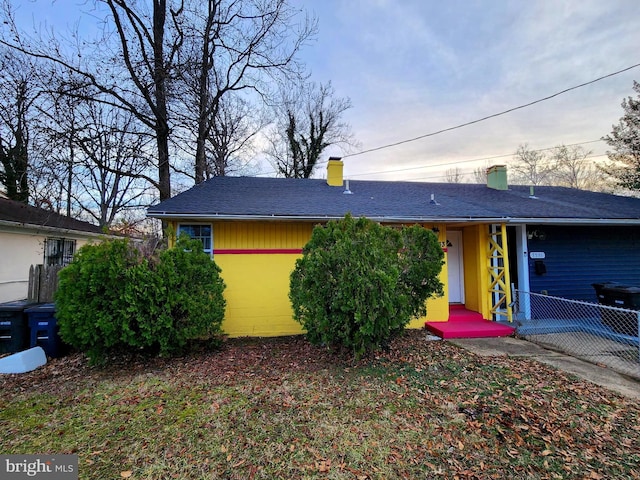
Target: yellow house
[255,229]
[32,236]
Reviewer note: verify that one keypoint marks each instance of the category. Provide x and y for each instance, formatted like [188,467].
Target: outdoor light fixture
[536,234]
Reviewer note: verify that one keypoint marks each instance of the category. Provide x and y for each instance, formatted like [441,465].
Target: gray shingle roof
[17,212]
[229,197]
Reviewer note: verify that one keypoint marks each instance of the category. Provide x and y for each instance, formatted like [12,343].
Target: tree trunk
[159,80]
[203,93]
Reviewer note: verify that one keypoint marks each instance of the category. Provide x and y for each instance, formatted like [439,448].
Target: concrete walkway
[514,347]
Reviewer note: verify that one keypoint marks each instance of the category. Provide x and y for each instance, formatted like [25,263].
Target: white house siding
[19,249]
[18,252]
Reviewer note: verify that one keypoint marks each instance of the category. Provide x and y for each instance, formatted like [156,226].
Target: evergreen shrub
[358,283]
[111,297]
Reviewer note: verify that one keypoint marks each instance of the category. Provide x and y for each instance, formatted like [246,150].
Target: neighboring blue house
[576,256]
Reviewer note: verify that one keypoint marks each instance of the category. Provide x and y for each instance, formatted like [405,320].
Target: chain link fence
[600,334]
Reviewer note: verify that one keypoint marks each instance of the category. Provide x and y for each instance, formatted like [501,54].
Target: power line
[382,147]
[445,164]
[432,177]
[390,145]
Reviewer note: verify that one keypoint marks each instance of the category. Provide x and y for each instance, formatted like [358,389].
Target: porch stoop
[464,323]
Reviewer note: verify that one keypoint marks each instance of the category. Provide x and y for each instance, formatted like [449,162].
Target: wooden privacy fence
[43,283]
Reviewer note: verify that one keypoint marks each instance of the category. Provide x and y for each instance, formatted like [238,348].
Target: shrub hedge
[111,297]
[358,284]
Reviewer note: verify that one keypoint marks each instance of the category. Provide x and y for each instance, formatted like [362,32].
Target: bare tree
[306,124]
[170,64]
[574,169]
[235,46]
[132,73]
[111,157]
[230,140]
[46,181]
[18,92]
[532,167]
[624,139]
[149,64]
[454,175]
[52,172]
[480,173]
[88,157]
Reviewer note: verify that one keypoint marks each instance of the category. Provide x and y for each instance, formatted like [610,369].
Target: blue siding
[576,257]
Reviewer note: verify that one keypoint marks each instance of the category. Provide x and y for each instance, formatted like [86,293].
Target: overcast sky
[412,67]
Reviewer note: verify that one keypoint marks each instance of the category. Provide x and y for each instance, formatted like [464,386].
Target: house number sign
[537,255]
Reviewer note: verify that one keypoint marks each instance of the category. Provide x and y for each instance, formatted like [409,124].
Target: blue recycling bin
[14,327]
[44,329]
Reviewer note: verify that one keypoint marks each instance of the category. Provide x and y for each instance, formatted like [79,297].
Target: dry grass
[280,408]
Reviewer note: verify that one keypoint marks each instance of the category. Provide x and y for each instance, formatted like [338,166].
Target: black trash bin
[600,287]
[44,329]
[622,296]
[14,328]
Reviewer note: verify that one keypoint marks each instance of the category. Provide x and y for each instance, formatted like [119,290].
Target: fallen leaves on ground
[281,408]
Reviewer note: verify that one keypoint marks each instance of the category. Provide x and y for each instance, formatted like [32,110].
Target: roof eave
[20,226]
[320,218]
[575,221]
[400,219]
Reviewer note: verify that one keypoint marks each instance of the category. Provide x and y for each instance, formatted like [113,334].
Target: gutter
[7,282]
[399,219]
[21,227]
[316,218]
[575,221]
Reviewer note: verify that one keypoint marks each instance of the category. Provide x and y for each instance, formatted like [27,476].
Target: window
[199,232]
[59,251]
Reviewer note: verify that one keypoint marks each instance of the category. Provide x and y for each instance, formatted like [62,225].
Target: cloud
[414,67]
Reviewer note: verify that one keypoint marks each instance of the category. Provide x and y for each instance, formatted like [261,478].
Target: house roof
[313,199]
[12,212]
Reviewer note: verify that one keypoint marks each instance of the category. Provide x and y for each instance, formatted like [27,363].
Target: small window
[59,251]
[199,232]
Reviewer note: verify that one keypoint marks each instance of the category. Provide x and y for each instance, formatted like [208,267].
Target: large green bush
[111,297]
[358,283]
[192,299]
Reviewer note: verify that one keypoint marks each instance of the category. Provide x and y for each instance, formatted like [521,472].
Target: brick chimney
[334,172]
[497,177]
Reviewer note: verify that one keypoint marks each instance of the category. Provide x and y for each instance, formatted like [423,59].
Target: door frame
[456,236]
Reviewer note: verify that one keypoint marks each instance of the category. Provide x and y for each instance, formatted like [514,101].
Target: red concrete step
[469,329]
[465,323]
[461,314]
